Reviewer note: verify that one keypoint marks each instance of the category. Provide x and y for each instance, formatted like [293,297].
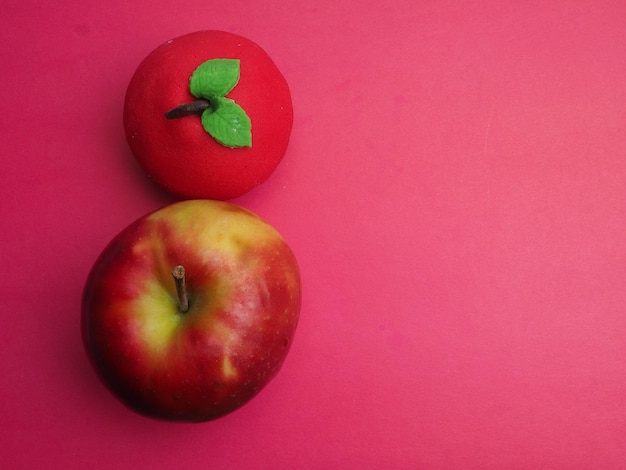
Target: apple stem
[197,107]
[179,278]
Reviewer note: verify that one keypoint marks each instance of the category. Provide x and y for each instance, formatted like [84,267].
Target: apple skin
[243,284]
[178,154]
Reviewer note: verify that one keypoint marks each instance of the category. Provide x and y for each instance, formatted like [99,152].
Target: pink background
[455,192]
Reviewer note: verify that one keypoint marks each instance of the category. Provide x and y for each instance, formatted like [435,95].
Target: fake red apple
[208,115]
[191,310]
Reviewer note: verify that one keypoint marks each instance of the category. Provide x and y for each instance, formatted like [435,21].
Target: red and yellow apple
[208,115]
[191,310]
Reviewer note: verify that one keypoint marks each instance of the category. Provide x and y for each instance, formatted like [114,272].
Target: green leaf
[214,78]
[228,123]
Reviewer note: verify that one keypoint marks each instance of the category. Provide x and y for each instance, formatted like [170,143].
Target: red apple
[208,115]
[191,310]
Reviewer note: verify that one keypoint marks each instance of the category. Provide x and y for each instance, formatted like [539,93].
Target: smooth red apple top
[179,154]
[243,287]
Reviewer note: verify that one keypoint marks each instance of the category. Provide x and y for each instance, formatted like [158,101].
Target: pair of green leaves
[224,119]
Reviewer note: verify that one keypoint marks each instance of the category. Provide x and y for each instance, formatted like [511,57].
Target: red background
[455,192]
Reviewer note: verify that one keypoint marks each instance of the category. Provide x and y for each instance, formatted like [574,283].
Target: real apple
[208,115]
[191,310]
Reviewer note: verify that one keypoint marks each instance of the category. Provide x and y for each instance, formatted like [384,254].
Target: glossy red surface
[244,299]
